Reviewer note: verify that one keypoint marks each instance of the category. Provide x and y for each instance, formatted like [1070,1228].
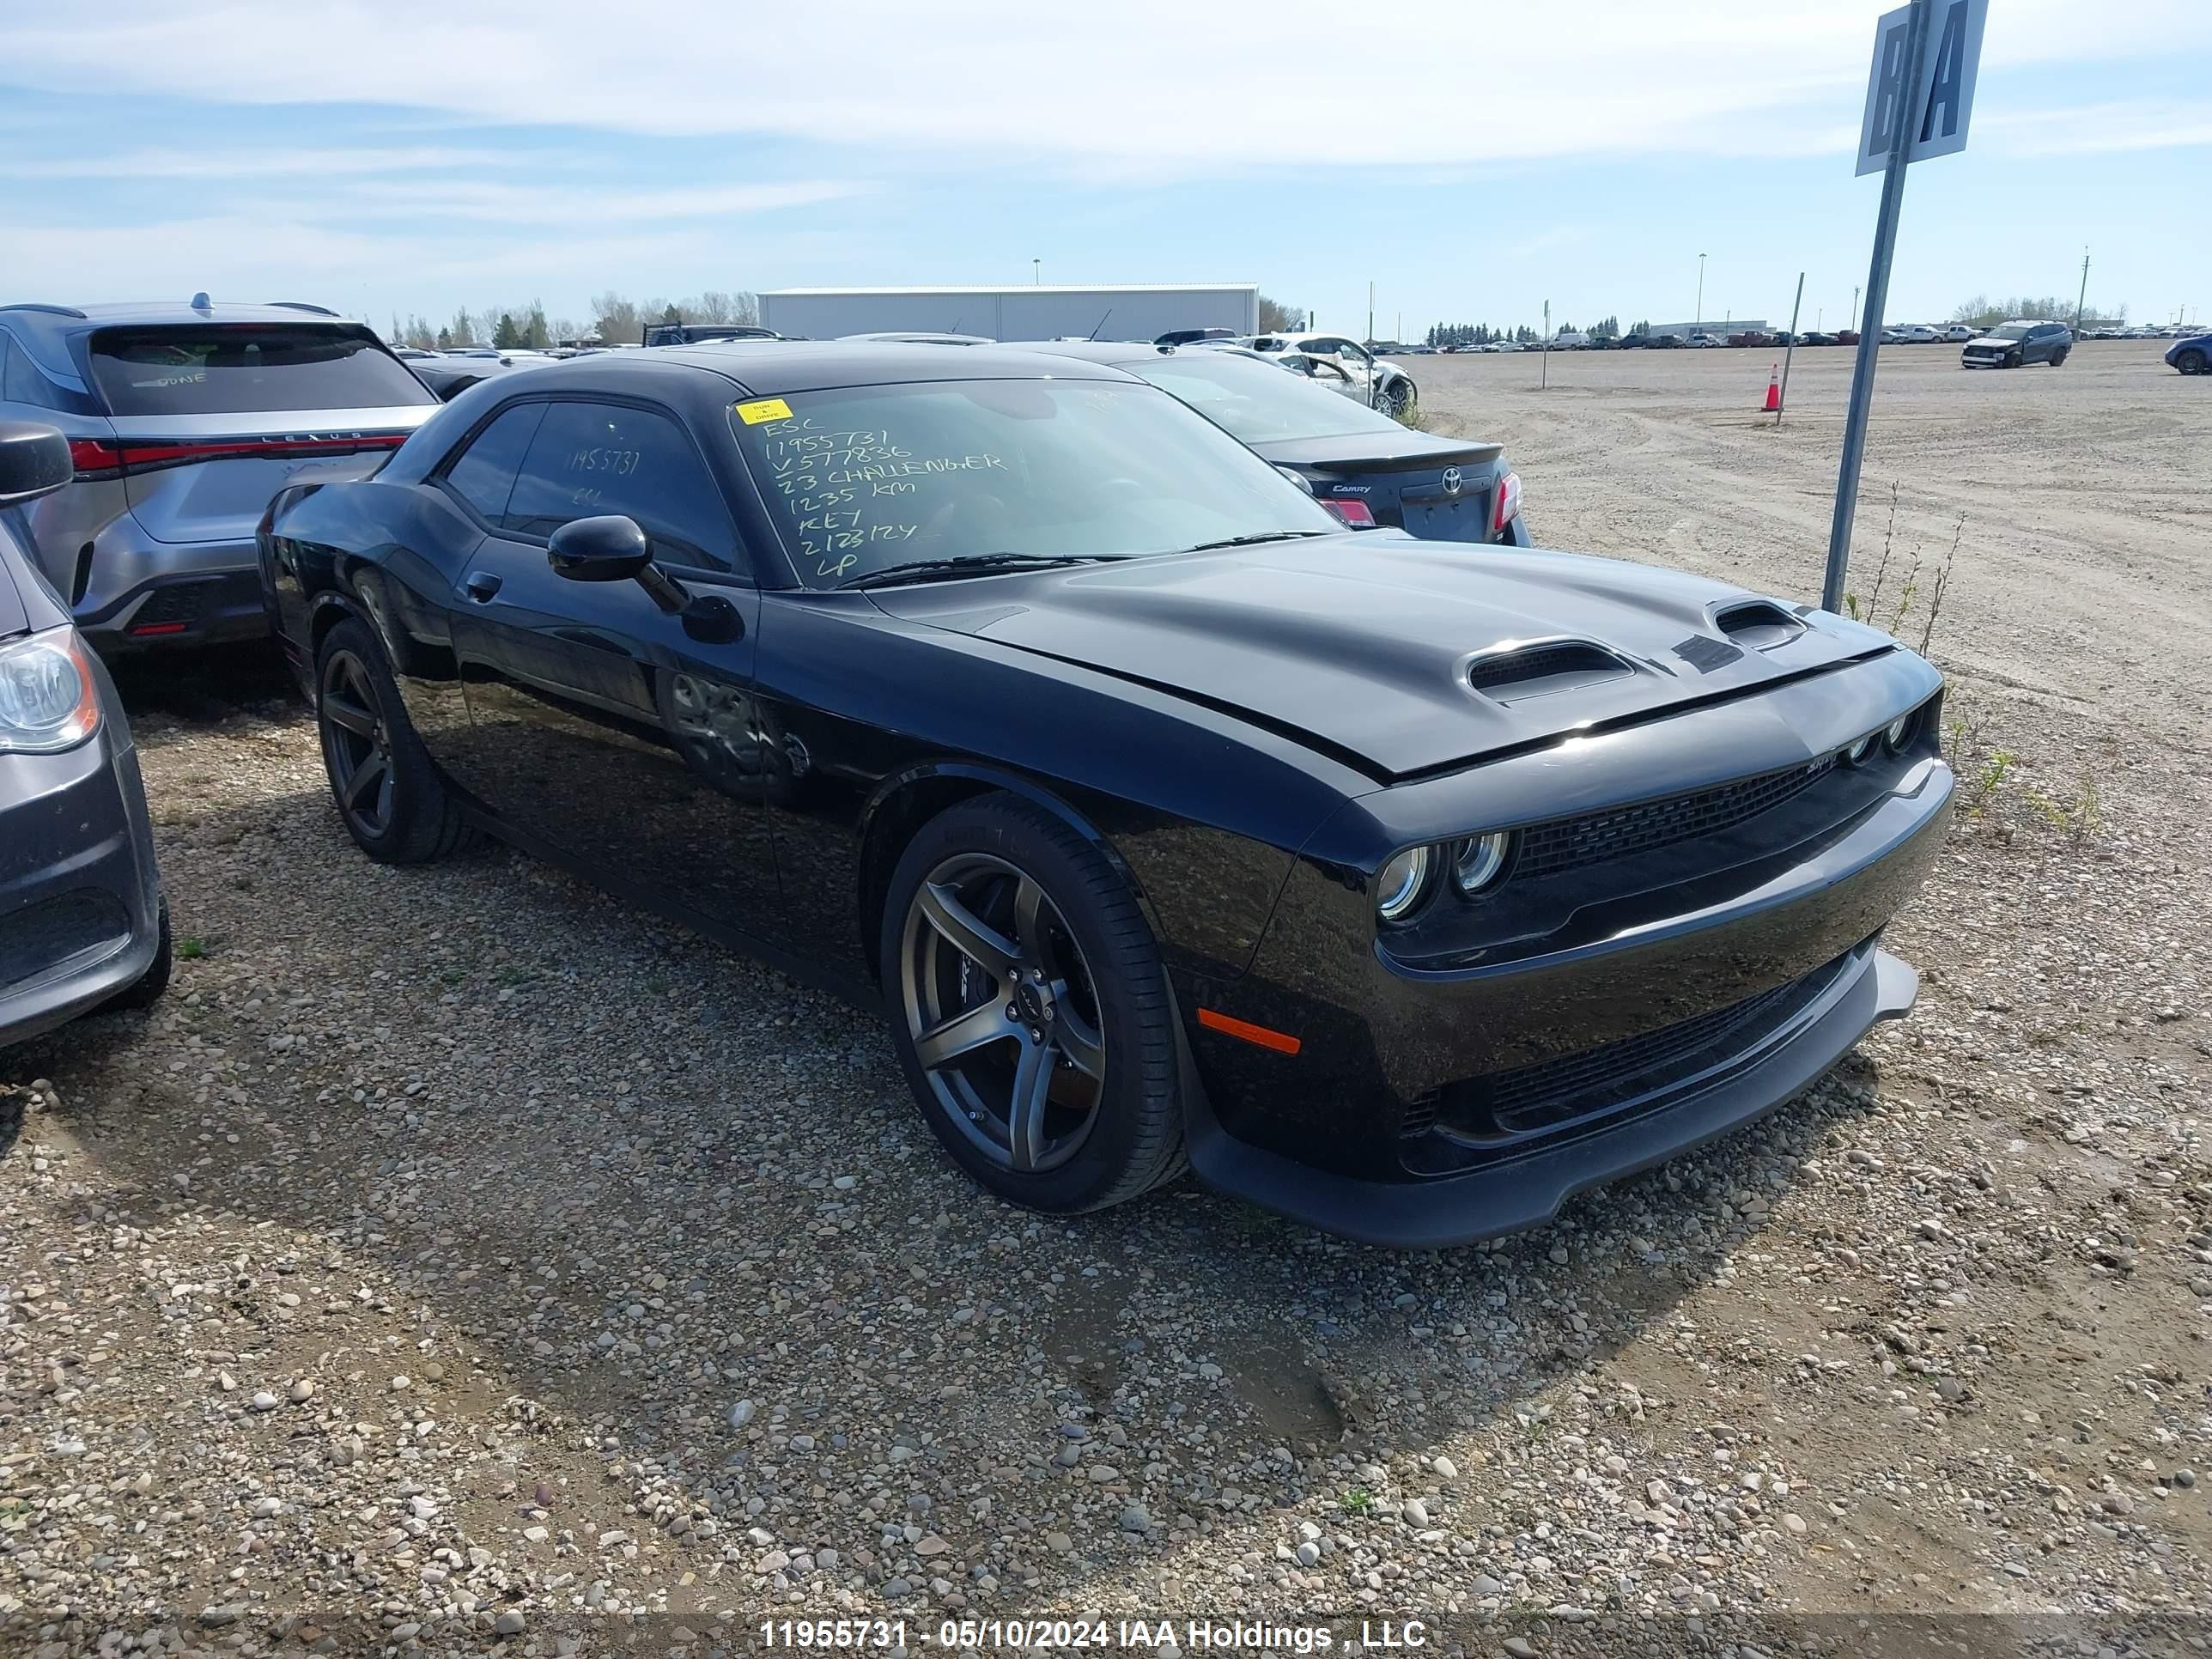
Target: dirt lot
[458,1259]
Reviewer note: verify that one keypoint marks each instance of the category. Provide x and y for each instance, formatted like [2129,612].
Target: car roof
[56,322]
[1116,353]
[773,367]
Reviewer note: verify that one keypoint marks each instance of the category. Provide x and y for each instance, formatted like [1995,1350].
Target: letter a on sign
[1939,107]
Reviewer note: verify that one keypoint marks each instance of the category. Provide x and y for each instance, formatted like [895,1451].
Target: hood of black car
[1361,643]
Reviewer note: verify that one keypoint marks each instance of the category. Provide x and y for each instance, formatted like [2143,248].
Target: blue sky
[1471,158]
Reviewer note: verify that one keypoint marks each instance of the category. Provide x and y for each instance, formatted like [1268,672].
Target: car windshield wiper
[932,570]
[1254,541]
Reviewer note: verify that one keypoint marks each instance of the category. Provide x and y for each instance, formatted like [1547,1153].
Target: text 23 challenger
[1403,892]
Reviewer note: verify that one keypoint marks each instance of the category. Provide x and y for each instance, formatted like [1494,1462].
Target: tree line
[615,319]
[1982,312]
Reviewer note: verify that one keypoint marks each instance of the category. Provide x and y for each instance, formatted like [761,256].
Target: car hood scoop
[1371,645]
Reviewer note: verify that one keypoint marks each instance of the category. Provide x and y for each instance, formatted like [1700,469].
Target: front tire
[2012,360]
[388,794]
[1030,1011]
[1394,398]
[2191,361]
[2057,359]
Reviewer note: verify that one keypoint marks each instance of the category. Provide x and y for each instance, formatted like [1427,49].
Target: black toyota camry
[1364,467]
[1164,818]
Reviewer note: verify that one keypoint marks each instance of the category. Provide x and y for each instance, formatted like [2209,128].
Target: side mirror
[608,549]
[34,460]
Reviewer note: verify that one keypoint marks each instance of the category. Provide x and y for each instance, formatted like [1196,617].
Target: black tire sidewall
[418,803]
[2191,363]
[1122,1156]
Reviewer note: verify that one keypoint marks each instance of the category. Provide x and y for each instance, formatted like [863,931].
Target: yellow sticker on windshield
[763,409]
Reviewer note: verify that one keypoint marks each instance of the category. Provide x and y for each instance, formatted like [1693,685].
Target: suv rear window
[231,368]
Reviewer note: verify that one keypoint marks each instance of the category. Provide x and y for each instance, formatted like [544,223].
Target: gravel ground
[456,1258]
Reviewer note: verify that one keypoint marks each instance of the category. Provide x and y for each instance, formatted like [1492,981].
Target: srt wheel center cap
[1033,1001]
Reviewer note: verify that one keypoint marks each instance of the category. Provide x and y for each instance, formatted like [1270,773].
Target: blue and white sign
[1945,97]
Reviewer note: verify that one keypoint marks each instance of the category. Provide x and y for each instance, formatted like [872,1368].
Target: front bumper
[1461,1094]
[80,896]
[1512,1197]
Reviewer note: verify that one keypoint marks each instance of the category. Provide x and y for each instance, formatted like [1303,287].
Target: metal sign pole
[1790,350]
[1545,384]
[1905,119]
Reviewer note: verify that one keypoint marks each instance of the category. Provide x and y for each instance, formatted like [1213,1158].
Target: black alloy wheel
[1394,398]
[1031,1012]
[2191,361]
[357,746]
[388,794]
[1003,1012]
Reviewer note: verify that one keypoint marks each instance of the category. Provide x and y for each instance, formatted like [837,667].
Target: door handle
[482,586]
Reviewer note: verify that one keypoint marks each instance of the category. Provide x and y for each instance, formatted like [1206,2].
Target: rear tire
[1053,934]
[389,796]
[2058,358]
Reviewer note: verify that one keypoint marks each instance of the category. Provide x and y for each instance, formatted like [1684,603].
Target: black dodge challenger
[1168,819]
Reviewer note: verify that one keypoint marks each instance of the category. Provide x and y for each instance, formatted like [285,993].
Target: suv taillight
[111,457]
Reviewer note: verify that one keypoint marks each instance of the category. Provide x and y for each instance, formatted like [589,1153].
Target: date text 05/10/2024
[1186,1636]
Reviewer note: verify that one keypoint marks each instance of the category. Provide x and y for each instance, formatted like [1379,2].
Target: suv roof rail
[301,305]
[34,304]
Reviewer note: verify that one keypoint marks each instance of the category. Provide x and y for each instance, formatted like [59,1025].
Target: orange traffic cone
[1774,390]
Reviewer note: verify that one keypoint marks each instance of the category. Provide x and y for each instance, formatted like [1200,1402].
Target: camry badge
[1451,481]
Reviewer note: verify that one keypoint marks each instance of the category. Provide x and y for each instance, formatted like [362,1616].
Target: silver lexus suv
[183,420]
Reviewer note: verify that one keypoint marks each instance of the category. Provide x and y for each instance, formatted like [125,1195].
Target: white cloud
[2096,129]
[275,163]
[1149,83]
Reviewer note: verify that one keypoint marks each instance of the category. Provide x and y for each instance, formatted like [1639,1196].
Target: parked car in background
[668,334]
[1752,336]
[451,374]
[1374,380]
[2191,354]
[1849,337]
[1910,334]
[1959,333]
[83,921]
[1366,468]
[923,337]
[1405,893]
[182,422]
[1815,338]
[2010,346]
[1189,336]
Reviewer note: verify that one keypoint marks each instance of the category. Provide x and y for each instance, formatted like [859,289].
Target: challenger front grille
[1568,843]
[1552,1093]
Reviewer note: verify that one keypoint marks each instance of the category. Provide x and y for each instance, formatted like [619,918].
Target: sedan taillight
[1509,502]
[1358,515]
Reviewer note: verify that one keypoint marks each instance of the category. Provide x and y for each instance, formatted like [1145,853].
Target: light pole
[1854,307]
[1700,323]
[1036,273]
[2082,298]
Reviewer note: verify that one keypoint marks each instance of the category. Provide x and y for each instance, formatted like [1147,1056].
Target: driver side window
[591,459]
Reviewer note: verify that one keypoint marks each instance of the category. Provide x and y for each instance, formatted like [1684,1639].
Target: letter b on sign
[1940,103]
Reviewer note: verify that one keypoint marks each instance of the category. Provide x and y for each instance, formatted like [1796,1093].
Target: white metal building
[1019,311]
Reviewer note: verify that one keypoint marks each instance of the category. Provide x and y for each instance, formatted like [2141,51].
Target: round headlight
[1859,750]
[1480,862]
[1900,730]
[1400,887]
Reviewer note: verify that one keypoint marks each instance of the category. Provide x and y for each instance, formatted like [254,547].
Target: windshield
[2010,332]
[231,368]
[1259,402]
[863,477]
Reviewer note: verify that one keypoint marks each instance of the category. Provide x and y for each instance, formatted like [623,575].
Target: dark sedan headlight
[49,699]
[1404,881]
[1480,862]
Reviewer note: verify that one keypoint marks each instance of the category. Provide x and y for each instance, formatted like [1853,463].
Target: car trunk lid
[1439,489]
